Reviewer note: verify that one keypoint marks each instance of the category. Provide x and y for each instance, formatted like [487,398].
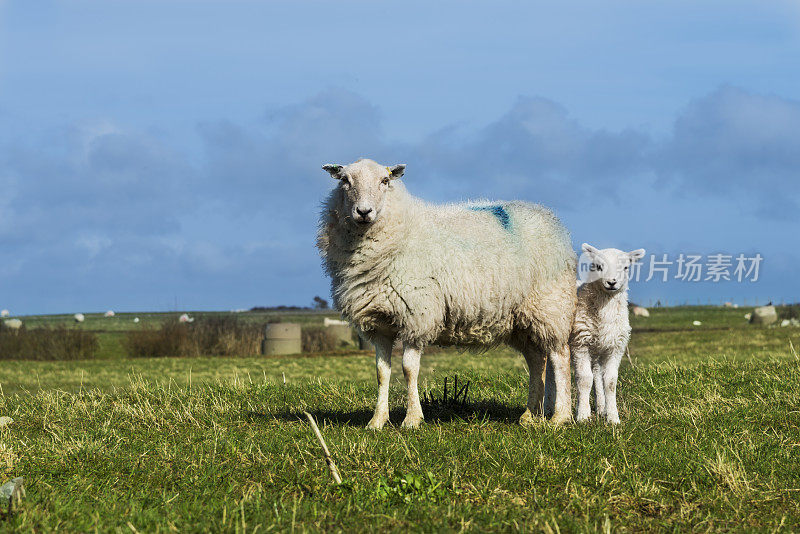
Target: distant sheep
[79,318]
[474,275]
[601,330]
[109,313]
[185,318]
[5,313]
[13,324]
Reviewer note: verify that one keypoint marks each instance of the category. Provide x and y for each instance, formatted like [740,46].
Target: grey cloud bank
[97,215]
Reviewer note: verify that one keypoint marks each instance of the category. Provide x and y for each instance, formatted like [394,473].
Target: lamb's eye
[385,181]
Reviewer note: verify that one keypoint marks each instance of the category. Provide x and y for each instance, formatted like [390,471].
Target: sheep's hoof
[377,422]
[582,418]
[528,419]
[559,418]
[412,422]
[613,420]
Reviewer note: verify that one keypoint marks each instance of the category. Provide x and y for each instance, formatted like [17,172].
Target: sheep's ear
[589,249]
[396,171]
[637,254]
[334,170]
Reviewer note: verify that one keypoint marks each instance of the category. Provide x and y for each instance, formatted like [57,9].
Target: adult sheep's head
[609,266]
[364,186]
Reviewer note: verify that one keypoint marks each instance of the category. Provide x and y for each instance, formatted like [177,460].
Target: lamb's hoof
[528,419]
[412,422]
[582,418]
[377,422]
[613,420]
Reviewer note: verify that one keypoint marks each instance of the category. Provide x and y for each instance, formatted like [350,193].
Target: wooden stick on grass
[325,451]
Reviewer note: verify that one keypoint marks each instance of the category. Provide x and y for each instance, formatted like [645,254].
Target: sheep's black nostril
[365,212]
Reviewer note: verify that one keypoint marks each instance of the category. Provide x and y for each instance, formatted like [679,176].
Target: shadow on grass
[434,413]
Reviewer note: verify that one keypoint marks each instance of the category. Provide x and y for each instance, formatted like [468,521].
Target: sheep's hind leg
[583,383]
[383,366]
[536,362]
[558,386]
[411,360]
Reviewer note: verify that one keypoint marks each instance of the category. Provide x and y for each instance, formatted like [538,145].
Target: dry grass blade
[325,451]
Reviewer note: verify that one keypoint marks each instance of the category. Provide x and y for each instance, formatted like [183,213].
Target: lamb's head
[364,186]
[610,267]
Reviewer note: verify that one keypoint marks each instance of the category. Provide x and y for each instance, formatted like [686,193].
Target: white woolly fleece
[451,274]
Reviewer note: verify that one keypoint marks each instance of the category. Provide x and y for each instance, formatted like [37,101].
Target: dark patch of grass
[227,336]
[208,336]
[789,311]
[318,339]
[45,343]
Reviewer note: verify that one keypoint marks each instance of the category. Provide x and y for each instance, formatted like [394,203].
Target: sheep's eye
[626,267]
[385,181]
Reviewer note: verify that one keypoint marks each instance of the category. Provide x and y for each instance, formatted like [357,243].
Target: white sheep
[473,275]
[109,313]
[601,330]
[13,324]
[79,318]
[5,313]
[184,318]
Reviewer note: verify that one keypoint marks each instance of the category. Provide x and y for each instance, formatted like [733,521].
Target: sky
[166,155]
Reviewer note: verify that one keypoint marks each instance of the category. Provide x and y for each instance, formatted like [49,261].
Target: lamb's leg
[558,386]
[411,358]
[599,389]
[383,365]
[583,382]
[610,374]
[536,362]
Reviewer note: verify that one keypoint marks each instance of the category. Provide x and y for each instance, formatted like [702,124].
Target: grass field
[709,440]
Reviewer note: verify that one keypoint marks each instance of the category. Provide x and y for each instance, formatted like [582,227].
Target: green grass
[709,440]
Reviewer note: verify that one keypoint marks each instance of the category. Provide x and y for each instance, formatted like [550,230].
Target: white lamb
[473,275]
[601,330]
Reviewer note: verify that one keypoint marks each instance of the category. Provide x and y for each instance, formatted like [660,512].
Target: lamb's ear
[334,170]
[589,249]
[396,171]
[637,254]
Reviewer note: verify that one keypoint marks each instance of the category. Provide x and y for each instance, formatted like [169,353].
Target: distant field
[666,336]
[710,440]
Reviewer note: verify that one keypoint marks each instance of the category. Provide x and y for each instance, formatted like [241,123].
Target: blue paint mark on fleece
[499,212]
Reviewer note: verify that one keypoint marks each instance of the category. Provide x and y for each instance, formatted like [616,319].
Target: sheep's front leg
[583,382]
[610,373]
[599,389]
[383,366]
[536,361]
[558,386]
[411,360]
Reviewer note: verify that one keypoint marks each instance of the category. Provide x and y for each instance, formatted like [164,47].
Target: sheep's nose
[365,212]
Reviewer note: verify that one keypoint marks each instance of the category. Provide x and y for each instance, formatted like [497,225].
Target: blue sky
[162,152]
